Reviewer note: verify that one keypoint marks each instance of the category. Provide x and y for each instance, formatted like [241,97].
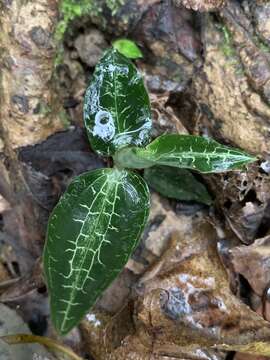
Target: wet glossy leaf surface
[128,48]
[177,184]
[186,151]
[91,234]
[117,109]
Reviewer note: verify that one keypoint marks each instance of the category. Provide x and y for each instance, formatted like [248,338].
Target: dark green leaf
[185,151]
[177,184]
[91,234]
[128,48]
[116,109]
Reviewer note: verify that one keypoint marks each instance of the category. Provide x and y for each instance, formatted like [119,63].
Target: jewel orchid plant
[98,221]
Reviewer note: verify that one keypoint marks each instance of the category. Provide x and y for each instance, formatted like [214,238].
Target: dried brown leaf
[243,198]
[186,300]
[253,262]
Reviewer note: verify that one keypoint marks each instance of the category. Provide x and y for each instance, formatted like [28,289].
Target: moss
[44,109]
[229,51]
[71,9]
[114,5]
[59,56]
[227,47]
[265,48]
[64,118]
[227,42]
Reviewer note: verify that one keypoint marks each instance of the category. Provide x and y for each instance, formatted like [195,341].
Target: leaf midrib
[115,185]
[115,96]
[73,291]
[148,154]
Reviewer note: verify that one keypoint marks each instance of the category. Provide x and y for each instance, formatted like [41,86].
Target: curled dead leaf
[4,205]
[253,263]
[185,300]
[243,198]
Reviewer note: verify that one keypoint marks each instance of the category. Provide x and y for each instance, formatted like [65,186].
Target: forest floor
[197,287]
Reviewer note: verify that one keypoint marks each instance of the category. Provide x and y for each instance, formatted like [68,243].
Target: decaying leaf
[12,323]
[4,205]
[162,223]
[4,275]
[65,153]
[133,349]
[185,302]
[163,116]
[22,286]
[103,332]
[244,197]
[253,262]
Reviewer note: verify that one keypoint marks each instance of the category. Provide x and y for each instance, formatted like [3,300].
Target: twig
[49,343]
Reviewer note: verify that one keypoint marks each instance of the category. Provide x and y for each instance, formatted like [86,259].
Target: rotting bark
[202,5]
[233,85]
[29,112]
